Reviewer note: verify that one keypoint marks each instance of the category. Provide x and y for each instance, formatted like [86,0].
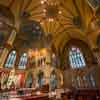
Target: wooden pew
[82,94]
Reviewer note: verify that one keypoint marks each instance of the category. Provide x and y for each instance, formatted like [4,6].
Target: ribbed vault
[63,19]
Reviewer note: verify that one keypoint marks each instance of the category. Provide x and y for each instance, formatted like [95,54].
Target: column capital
[8,46]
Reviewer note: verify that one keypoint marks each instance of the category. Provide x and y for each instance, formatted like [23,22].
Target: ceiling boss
[51,10]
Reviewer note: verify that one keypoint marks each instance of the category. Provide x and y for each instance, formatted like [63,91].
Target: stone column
[7,47]
[96,53]
[47,73]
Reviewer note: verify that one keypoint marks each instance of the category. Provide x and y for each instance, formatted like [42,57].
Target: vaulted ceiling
[63,19]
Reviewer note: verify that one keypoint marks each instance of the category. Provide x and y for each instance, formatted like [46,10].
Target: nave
[50,49]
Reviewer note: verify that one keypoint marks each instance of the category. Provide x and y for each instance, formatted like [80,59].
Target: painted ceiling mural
[60,19]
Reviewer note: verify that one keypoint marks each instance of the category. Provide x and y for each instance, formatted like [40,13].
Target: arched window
[23,61]
[76,58]
[93,83]
[53,81]
[11,59]
[41,80]
[29,80]
[91,80]
[94,3]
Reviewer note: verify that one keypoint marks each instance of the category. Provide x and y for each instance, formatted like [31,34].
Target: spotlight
[51,19]
[44,10]
[42,2]
[41,23]
[53,93]
[38,92]
[1,23]
[60,12]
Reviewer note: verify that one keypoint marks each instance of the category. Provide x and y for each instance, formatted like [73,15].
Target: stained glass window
[76,58]
[94,3]
[93,83]
[41,80]
[11,59]
[78,81]
[90,80]
[23,61]
[29,80]
[53,80]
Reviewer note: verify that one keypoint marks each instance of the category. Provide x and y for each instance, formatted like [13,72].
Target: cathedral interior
[49,49]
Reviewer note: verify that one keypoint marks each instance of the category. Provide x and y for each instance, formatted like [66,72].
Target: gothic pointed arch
[23,61]
[53,80]
[11,59]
